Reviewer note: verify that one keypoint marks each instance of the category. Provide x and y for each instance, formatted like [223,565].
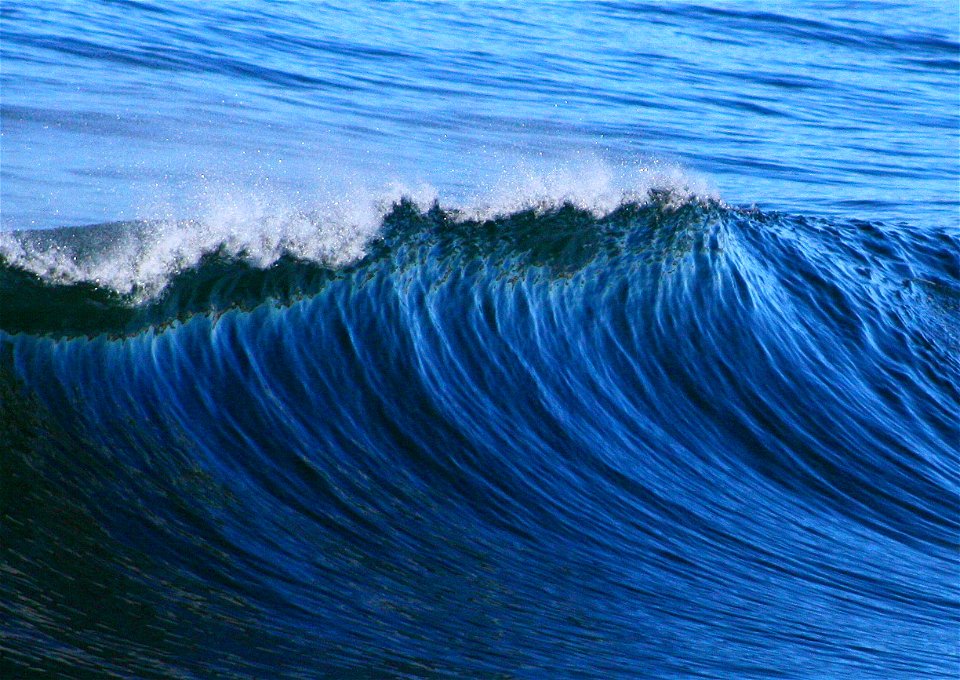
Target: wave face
[670,439]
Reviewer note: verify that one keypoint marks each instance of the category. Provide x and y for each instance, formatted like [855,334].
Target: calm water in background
[124,110]
[409,339]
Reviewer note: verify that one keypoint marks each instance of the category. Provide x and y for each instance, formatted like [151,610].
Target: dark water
[575,340]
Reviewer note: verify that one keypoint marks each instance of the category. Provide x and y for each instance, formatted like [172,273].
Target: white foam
[333,228]
[586,181]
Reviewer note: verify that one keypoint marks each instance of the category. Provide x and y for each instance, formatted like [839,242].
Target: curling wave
[673,436]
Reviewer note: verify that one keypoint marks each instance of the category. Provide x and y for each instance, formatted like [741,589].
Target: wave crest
[138,259]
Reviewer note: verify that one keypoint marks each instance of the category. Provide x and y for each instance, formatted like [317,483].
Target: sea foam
[333,227]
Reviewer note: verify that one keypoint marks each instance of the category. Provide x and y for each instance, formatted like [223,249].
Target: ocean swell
[674,433]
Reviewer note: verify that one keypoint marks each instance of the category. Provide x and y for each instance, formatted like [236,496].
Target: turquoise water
[445,340]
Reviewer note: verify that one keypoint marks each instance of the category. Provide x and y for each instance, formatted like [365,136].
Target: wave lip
[136,260]
[120,278]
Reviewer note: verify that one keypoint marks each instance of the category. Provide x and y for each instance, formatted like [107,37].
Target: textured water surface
[468,340]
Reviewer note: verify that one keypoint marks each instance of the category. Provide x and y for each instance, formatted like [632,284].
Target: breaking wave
[573,438]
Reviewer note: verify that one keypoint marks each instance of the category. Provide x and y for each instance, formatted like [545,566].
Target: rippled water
[121,110]
[468,340]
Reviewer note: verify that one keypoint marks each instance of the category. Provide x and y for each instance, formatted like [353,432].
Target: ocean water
[428,340]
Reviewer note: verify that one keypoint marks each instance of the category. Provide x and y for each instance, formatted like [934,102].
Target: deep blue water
[412,339]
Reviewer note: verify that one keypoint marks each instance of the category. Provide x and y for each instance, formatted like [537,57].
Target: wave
[560,438]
